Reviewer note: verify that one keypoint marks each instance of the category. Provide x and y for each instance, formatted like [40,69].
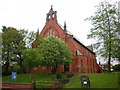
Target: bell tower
[52,15]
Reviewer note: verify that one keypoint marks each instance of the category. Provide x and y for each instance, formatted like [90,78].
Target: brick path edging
[16,85]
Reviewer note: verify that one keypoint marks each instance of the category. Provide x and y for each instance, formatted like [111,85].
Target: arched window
[78,53]
[81,63]
[47,34]
[48,16]
[53,15]
[51,32]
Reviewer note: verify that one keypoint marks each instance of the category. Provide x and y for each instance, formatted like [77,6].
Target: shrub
[116,67]
[58,76]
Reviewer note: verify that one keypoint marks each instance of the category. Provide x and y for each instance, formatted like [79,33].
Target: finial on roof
[51,10]
[65,25]
[51,6]
[38,30]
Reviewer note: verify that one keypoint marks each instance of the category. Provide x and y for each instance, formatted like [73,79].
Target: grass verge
[25,78]
[103,80]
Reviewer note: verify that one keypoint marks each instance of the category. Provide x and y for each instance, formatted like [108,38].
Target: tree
[14,42]
[32,58]
[24,41]
[36,43]
[10,38]
[105,31]
[54,51]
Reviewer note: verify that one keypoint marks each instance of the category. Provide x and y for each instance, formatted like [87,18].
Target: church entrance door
[66,68]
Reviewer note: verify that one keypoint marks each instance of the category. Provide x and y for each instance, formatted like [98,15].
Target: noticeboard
[14,76]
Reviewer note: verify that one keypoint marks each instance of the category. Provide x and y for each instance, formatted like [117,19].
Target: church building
[84,59]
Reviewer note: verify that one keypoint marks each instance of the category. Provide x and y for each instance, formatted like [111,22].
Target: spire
[51,10]
[51,7]
[38,31]
[65,26]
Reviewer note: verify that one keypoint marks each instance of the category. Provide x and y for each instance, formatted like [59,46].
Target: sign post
[85,81]
[14,76]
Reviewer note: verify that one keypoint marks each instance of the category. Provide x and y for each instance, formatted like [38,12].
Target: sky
[31,15]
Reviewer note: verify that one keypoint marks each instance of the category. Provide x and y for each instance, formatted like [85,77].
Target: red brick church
[84,59]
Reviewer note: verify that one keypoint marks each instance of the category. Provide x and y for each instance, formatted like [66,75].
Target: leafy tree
[9,38]
[14,42]
[54,51]
[38,40]
[32,58]
[14,68]
[105,31]
[24,42]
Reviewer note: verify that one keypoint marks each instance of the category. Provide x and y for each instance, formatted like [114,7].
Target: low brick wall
[16,85]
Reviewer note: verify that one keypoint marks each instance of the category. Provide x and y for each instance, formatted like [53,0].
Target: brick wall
[17,85]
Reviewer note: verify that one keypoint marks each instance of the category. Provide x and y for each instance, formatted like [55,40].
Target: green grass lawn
[104,80]
[25,78]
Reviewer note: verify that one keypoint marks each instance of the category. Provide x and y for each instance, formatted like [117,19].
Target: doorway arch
[66,67]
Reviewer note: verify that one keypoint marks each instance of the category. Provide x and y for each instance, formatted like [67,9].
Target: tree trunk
[30,72]
[7,66]
[109,59]
[109,68]
[109,44]
[54,69]
[21,66]
[109,56]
